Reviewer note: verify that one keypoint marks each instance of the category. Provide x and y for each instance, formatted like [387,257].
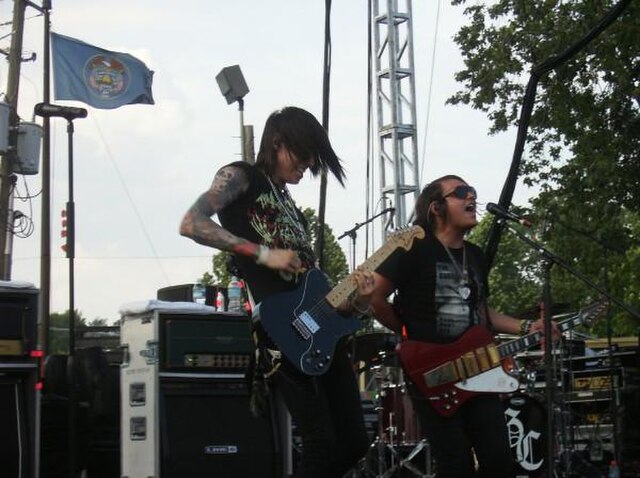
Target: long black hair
[432,194]
[304,136]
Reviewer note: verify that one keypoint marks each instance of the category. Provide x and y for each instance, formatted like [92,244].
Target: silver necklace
[284,198]
[463,284]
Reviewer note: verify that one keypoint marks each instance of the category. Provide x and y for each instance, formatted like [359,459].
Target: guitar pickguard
[494,380]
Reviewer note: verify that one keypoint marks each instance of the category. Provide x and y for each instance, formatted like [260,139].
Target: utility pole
[6,168]
[45,233]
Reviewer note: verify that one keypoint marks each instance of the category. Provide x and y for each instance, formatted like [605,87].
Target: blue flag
[100,78]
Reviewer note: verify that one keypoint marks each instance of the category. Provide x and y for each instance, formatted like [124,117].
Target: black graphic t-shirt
[431,300]
[266,215]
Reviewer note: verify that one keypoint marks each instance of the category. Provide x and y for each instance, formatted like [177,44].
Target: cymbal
[368,347]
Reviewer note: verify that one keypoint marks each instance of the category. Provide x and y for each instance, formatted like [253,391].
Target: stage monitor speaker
[207,430]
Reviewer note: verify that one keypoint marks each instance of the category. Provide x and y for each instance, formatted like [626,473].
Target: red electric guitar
[450,374]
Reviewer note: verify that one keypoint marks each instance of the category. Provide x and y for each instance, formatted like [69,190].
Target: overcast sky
[139,167]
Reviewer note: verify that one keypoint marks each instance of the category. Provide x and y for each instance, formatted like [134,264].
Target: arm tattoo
[228,184]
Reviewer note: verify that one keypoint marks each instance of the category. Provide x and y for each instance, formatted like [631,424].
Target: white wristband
[263,254]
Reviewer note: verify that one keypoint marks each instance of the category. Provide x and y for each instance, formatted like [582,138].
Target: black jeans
[478,425]
[327,412]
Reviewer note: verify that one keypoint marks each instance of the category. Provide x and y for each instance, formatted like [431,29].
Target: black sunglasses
[462,191]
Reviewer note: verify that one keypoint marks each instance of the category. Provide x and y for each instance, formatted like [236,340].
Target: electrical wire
[130,198]
[429,96]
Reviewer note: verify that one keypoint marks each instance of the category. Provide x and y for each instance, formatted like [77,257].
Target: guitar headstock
[590,313]
[404,237]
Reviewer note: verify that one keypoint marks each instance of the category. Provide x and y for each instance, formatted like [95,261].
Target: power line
[430,89]
[131,201]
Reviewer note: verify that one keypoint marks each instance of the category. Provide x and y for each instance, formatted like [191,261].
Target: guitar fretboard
[347,286]
[513,346]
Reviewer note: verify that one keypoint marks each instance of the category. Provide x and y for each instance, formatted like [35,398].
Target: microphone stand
[352,233]
[71,365]
[47,110]
[550,260]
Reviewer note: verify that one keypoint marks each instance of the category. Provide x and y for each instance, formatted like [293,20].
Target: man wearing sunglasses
[441,290]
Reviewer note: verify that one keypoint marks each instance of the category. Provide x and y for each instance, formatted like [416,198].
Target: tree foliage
[59,330]
[583,138]
[335,262]
[514,280]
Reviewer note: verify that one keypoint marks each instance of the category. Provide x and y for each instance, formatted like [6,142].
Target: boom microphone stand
[550,260]
[353,234]
[69,113]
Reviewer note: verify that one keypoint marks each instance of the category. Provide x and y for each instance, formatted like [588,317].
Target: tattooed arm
[230,183]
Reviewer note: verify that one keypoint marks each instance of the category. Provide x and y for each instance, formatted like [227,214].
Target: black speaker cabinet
[207,430]
[18,321]
[17,424]
[184,401]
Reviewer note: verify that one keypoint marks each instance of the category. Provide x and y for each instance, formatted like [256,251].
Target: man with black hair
[262,226]
[442,288]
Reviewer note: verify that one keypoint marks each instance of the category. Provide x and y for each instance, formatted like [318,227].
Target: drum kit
[397,448]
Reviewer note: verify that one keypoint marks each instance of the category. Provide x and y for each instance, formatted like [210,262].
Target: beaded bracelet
[358,309]
[525,326]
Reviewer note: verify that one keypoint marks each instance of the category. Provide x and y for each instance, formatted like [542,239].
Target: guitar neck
[348,285]
[526,341]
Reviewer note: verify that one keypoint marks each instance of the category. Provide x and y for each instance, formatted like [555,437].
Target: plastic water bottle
[198,293]
[234,294]
[614,469]
[220,301]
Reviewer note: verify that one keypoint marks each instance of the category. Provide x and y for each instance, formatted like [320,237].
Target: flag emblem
[106,76]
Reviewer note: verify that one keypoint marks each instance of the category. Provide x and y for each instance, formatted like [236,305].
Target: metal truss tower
[397,151]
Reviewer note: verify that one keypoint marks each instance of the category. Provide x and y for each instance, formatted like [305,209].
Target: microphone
[47,110]
[502,213]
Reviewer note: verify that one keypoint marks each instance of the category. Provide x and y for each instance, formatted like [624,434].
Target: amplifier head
[212,342]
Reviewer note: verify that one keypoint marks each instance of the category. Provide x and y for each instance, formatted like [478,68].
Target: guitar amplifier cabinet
[18,319]
[594,379]
[183,369]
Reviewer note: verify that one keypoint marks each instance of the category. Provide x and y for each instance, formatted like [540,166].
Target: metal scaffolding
[397,151]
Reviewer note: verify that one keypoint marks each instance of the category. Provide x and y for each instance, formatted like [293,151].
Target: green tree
[335,262]
[59,330]
[514,279]
[220,267]
[584,134]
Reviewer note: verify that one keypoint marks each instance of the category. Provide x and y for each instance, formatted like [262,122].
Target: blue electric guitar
[304,322]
